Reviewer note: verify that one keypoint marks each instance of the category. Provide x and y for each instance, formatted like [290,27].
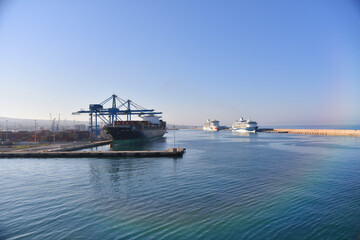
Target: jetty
[71,151]
[171,152]
[80,146]
[330,132]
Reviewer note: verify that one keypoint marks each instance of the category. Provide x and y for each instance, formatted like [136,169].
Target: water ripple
[262,186]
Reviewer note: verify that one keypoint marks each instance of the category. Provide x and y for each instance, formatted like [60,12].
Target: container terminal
[149,126]
[63,143]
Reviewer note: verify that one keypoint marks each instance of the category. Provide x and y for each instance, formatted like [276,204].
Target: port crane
[119,108]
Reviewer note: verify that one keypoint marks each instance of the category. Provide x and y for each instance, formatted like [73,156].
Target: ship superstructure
[211,125]
[243,125]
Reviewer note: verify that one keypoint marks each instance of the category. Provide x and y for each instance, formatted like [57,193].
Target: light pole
[6,131]
[174,137]
[35,130]
[54,134]
[74,130]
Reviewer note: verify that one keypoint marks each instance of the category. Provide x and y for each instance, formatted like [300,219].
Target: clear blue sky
[277,62]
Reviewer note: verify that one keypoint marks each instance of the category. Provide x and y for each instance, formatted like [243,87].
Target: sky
[281,62]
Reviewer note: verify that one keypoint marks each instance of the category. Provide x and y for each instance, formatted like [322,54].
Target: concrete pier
[51,147]
[331,132]
[81,146]
[171,152]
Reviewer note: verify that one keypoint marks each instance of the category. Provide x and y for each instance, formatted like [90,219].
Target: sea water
[226,186]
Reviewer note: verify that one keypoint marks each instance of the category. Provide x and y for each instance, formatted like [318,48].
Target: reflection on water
[212,134]
[138,144]
[244,134]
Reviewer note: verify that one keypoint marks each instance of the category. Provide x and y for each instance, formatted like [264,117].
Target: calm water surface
[227,186]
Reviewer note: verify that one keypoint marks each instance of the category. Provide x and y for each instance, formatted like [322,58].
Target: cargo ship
[149,127]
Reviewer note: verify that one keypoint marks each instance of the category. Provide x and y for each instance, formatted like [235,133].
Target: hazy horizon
[279,63]
[29,123]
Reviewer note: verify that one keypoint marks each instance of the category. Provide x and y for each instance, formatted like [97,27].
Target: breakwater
[171,152]
[332,132]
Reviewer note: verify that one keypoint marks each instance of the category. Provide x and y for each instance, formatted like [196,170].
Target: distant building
[80,127]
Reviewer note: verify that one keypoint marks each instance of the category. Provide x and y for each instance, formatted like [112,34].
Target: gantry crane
[119,108]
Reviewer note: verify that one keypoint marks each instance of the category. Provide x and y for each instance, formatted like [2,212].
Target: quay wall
[78,147]
[171,152]
[334,132]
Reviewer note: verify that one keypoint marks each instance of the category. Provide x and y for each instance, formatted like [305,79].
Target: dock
[330,132]
[80,146]
[171,152]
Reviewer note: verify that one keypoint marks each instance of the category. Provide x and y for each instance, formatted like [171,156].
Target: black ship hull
[118,133]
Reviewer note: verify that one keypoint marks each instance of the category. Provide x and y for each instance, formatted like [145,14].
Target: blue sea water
[226,186]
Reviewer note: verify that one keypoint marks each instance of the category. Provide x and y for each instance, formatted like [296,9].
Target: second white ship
[243,125]
[211,125]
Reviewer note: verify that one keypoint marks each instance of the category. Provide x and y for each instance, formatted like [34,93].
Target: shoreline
[329,132]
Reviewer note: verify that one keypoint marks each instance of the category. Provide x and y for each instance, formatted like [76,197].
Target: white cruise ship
[243,125]
[211,125]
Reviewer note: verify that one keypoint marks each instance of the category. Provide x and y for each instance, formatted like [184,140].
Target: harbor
[230,175]
[118,126]
[178,120]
